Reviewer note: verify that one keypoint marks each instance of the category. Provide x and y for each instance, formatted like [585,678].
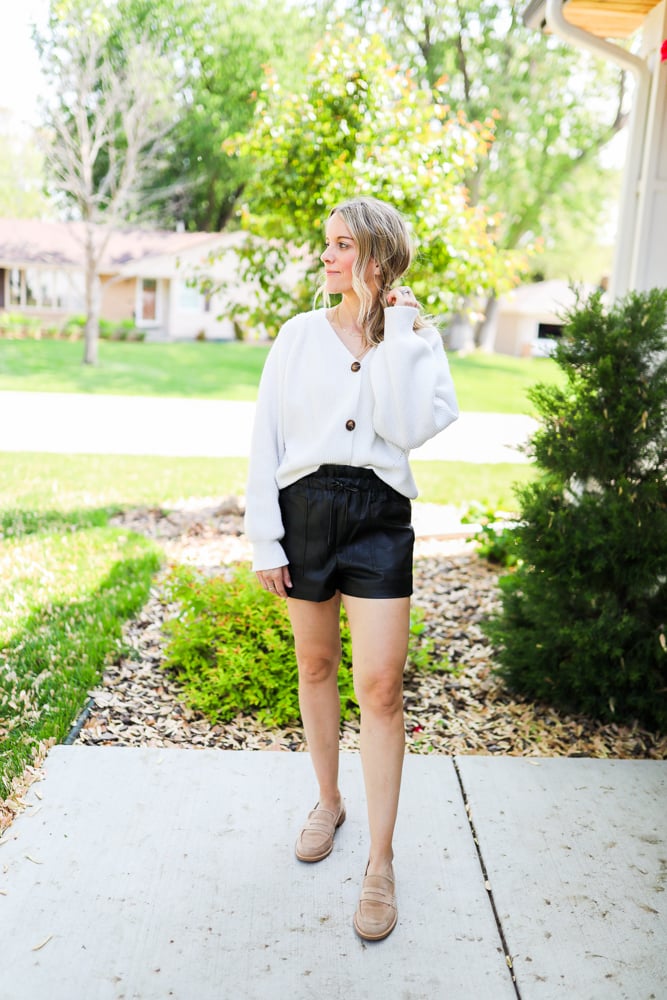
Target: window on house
[15,287]
[551,330]
[189,299]
[45,288]
[53,289]
[31,287]
[148,304]
[41,287]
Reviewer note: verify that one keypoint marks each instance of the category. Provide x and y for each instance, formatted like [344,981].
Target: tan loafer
[377,913]
[315,842]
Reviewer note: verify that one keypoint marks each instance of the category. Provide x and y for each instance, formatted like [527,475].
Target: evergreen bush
[583,619]
[231,648]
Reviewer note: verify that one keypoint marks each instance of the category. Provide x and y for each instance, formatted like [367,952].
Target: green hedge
[583,622]
[20,326]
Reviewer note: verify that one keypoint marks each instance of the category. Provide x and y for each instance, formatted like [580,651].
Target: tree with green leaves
[543,173]
[106,126]
[222,48]
[21,175]
[583,622]
[360,125]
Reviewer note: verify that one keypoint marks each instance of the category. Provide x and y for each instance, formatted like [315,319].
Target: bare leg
[316,630]
[380,631]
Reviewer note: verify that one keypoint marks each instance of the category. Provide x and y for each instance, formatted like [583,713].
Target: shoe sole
[375,937]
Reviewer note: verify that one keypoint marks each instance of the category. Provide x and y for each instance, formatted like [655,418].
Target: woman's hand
[276,581]
[402,296]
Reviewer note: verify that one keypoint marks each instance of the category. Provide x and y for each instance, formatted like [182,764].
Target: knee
[380,693]
[315,668]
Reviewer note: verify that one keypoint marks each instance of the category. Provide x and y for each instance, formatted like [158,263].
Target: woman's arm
[414,394]
[263,520]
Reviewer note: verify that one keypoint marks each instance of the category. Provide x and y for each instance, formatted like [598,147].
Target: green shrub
[109,329]
[584,616]
[73,327]
[117,329]
[19,326]
[231,648]
[16,325]
[495,539]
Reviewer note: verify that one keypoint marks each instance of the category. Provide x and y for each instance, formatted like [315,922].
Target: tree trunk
[226,209]
[485,331]
[460,333]
[93,297]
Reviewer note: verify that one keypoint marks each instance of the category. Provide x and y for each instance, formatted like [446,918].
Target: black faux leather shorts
[347,530]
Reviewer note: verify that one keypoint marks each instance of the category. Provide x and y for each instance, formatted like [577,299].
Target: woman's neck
[346,314]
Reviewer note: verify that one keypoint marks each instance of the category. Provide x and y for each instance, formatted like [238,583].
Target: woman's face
[339,257]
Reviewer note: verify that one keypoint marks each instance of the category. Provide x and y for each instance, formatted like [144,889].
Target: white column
[649,263]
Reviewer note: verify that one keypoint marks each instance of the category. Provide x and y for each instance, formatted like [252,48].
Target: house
[529,319]
[640,256]
[146,277]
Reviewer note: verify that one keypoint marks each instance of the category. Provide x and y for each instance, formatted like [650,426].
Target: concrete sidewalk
[155,874]
[133,425]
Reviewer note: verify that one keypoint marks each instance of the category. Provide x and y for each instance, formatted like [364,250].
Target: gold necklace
[347,331]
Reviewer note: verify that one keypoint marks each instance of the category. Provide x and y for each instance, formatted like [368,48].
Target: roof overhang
[603,18]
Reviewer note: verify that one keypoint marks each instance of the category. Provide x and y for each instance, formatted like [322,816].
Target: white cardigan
[317,406]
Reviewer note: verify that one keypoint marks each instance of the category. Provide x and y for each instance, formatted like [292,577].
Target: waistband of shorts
[335,475]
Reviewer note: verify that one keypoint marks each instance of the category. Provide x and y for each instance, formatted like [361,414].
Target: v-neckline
[344,346]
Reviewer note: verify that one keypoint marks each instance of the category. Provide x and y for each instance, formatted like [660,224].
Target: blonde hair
[381,234]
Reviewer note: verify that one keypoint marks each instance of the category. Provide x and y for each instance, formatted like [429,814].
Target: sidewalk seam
[501,933]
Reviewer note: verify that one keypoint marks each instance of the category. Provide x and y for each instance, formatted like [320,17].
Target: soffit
[604,18]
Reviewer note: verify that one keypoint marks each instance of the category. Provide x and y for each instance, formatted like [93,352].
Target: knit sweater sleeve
[413,391]
[263,520]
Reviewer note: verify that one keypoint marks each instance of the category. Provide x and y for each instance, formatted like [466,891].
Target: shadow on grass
[50,664]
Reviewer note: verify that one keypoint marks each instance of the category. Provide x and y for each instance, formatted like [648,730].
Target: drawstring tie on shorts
[337,485]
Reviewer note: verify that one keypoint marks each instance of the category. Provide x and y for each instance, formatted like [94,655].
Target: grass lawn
[197,370]
[462,483]
[38,489]
[485,383]
[64,594]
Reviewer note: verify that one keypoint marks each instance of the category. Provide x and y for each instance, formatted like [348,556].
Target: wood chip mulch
[465,710]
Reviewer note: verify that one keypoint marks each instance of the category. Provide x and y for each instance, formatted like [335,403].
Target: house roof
[553,298]
[25,242]
[208,256]
[604,18]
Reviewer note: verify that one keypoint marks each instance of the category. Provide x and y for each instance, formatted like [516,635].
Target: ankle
[381,864]
[331,802]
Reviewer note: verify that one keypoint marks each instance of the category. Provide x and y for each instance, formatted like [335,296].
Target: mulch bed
[466,710]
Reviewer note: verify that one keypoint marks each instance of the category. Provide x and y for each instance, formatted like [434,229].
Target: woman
[346,392]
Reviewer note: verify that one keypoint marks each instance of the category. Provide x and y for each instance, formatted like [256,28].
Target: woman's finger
[275,581]
[403,295]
